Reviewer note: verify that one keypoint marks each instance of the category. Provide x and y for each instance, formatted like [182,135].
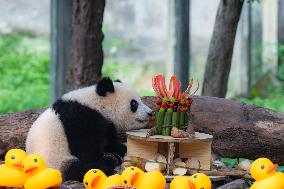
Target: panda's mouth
[141,120]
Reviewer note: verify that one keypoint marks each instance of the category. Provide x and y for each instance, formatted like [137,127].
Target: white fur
[114,106]
[47,137]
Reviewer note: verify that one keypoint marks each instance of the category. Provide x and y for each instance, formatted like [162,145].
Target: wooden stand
[198,148]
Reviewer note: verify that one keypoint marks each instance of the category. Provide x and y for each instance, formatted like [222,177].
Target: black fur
[89,135]
[105,85]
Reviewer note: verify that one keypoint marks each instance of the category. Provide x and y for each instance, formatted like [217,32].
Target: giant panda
[81,127]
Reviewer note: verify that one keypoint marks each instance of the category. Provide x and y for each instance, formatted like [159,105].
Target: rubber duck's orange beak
[191,185]
[95,181]
[134,178]
[18,164]
[30,169]
[272,168]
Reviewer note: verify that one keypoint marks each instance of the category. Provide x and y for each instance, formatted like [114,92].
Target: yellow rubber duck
[263,171]
[96,179]
[199,181]
[11,173]
[40,177]
[133,176]
[196,181]
[180,182]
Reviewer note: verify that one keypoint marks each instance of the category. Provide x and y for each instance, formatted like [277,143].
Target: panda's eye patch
[12,157]
[35,160]
[134,105]
[262,166]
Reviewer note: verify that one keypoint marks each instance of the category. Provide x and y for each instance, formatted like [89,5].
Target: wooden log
[14,128]
[239,130]
[236,184]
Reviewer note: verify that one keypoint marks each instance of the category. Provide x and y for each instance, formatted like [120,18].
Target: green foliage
[24,73]
[274,101]
[280,69]
[233,162]
[113,69]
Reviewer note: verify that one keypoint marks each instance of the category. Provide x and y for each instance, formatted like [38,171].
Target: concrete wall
[25,16]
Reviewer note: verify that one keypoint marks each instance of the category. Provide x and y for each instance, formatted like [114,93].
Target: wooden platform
[197,148]
[142,135]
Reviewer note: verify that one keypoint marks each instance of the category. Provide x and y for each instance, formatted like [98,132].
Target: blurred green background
[25,78]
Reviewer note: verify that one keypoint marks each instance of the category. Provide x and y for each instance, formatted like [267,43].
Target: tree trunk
[221,48]
[61,34]
[239,130]
[87,51]
[280,69]
[182,41]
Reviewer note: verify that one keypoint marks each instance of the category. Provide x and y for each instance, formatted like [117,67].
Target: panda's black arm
[114,145]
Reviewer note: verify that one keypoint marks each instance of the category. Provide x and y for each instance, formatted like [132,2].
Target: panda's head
[116,101]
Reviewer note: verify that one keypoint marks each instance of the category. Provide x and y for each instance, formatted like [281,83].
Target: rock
[192,163]
[159,164]
[177,160]
[179,171]
[72,185]
[236,184]
[244,166]
[180,164]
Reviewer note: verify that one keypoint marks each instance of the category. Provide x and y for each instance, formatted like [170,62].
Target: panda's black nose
[150,113]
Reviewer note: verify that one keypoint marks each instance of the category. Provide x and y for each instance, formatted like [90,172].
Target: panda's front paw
[72,170]
[113,159]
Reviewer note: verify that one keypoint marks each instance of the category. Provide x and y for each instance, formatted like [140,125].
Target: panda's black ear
[117,80]
[104,85]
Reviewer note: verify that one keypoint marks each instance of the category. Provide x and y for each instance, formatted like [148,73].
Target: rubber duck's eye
[86,183]
[132,168]
[262,166]
[35,160]
[12,157]
[95,171]
[195,176]
[202,188]
[125,182]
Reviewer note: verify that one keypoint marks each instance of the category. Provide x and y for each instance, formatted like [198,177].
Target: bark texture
[87,50]
[221,48]
[236,184]
[239,130]
[14,128]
